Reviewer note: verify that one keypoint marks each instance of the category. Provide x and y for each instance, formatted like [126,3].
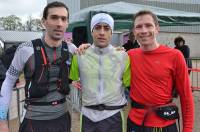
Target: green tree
[33,24]
[11,22]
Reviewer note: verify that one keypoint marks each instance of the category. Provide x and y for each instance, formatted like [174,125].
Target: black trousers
[111,124]
[132,127]
[61,124]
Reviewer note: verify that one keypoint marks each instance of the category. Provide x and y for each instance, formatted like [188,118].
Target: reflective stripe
[123,121]
[81,122]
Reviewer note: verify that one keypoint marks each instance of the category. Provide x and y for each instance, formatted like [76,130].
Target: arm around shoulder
[82,48]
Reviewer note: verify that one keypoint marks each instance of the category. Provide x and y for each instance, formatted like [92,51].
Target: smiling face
[145,31]
[56,23]
[102,34]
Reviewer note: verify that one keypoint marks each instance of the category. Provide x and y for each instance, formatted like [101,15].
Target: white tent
[124,10]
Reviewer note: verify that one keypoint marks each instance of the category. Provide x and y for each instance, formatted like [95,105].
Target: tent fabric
[122,13]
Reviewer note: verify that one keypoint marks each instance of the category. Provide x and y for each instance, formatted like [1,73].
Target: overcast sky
[25,8]
[22,8]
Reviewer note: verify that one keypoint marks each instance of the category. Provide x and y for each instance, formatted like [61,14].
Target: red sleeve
[184,89]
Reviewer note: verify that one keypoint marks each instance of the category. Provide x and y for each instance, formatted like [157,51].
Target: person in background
[45,62]
[155,71]
[104,72]
[131,43]
[180,45]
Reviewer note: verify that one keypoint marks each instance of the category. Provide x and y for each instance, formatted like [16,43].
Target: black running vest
[37,86]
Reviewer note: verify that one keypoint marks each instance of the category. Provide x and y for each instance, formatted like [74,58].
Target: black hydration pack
[5,60]
[37,85]
[2,72]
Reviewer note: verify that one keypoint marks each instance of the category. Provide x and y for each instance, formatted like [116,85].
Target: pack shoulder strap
[63,82]
[39,52]
[65,51]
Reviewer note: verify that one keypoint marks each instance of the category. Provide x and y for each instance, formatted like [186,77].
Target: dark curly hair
[178,39]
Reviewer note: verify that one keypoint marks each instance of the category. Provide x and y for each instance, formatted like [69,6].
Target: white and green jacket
[103,73]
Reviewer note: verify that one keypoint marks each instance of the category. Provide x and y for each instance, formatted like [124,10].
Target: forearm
[3,117]
[187,107]
[187,104]
[186,98]
[188,113]
[5,97]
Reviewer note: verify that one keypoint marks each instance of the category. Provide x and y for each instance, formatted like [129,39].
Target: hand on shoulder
[119,48]
[82,48]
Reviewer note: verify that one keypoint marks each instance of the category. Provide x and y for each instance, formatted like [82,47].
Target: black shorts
[132,127]
[61,124]
[114,123]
